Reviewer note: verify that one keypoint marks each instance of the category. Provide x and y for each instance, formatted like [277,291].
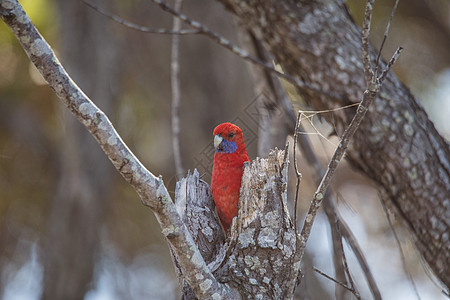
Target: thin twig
[136,26]
[297,173]
[347,270]
[332,279]
[399,245]
[368,73]
[201,29]
[315,112]
[386,33]
[175,73]
[274,83]
[317,131]
[336,240]
[240,52]
[334,217]
[390,64]
[353,243]
[369,95]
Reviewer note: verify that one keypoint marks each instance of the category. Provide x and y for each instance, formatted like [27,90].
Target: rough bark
[263,250]
[261,257]
[196,208]
[397,146]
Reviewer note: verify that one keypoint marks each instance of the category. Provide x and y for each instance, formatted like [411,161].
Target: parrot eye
[231,135]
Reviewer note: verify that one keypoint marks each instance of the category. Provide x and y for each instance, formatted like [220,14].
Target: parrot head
[228,138]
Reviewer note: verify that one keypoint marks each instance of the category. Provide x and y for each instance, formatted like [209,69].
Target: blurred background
[66,215]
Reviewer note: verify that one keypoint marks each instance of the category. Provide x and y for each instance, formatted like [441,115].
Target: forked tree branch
[203,30]
[137,27]
[373,86]
[199,29]
[150,188]
[240,52]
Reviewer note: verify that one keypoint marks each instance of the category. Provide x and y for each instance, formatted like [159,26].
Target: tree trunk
[276,123]
[196,207]
[396,146]
[261,257]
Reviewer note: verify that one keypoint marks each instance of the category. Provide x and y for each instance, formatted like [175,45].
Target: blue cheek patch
[226,147]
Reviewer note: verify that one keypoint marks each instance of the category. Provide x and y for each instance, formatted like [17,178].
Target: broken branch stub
[262,259]
[196,208]
[261,256]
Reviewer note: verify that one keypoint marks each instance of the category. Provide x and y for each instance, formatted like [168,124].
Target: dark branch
[240,52]
[386,33]
[137,27]
[332,279]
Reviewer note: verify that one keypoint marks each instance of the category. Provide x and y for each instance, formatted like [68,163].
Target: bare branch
[297,173]
[349,288]
[338,254]
[368,97]
[201,29]
[371,76]
[175,73]
[240,52]
[353,243]
[136,26]
[332,279]
[347,270]
[149,187]
[276,116]
[368,73]
[390,64]
[399,245]
[386,33]
[272,85]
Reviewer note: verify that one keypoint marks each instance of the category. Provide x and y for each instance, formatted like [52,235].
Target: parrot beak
[217,141]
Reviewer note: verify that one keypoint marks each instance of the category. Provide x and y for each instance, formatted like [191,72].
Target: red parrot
[227,170]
